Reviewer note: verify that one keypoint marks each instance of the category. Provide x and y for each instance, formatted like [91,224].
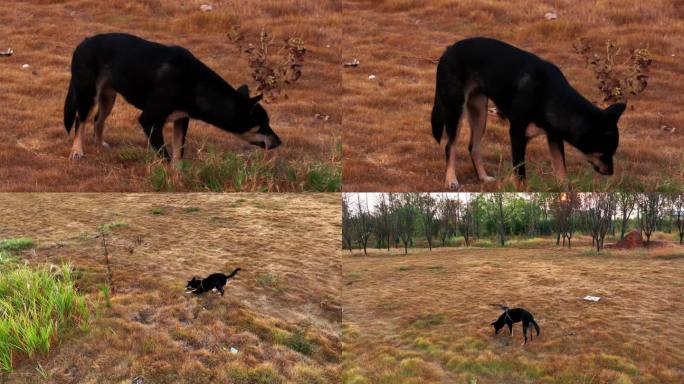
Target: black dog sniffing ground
[514,315]
[215,280]
[535,97]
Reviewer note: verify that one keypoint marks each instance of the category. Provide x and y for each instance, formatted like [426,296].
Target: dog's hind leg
[85,106]
[452,117]
[105,101]
[180,130]
[477,117]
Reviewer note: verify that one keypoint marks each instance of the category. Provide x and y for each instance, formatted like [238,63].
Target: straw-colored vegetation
[424,317]
[281,313]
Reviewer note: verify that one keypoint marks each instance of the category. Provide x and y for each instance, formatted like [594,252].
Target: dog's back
[131,66]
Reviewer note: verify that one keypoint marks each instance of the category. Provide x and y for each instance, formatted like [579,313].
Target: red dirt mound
[633,239]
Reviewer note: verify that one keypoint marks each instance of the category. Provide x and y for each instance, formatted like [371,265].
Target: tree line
[401,219]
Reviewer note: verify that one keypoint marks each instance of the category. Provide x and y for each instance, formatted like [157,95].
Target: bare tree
[406,220]
[601,208]
[626,202]
[427,206]
[466,220]
[678,213]
[363,224]
[384,225]
[347,224]
[564,205]
[448,219]
[498,214]
[650,205]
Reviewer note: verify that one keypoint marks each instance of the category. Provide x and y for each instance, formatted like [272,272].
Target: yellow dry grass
[424,317]
[387,140]
[34,146]
[282,312]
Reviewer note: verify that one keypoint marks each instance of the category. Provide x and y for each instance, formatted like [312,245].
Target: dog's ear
[615,111]
[256,99]
[243,90]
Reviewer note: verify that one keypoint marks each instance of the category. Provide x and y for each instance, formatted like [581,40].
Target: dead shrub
[617,80]
[274,65]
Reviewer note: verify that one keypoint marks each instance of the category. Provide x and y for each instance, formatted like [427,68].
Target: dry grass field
[387,140]
[424,317]
[282,312]
[34,147]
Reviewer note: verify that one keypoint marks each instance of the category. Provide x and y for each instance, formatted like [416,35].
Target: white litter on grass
[371,77]
[206,7]
[25,66]
[353,63]
[7,52]
[592,298]
[233,350]
[550,15]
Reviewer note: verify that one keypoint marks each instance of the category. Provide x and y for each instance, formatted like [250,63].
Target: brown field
[424,317]
[387,140]
[290,285]
[34,147]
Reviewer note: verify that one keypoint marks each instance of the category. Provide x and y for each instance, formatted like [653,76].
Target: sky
[374,197]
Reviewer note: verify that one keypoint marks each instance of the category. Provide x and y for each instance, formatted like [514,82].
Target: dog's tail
[235,271]
[535,326]
[70,108]
[437,120]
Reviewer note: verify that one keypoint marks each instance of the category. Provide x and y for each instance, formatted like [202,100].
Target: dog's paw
[106,145]
[76,156]
[487,179]
[453,186]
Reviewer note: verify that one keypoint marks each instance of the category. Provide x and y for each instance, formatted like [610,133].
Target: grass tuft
[37,307]
[107,227]
[16,244]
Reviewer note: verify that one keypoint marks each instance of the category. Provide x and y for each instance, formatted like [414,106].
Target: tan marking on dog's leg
[557,159]
[451,180]
[77,147]
[477,117]
[106,101]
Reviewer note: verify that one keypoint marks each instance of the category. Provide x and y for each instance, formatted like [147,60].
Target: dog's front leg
[556,147]
[518,148]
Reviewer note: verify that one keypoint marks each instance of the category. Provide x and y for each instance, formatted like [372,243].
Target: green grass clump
[252,171]
[428,320]
[5,258]
[191,209]
[37,307]
[269,281]
[16,244]
[157,211]
[104,288]
[323,177]
[261,374]
[297,342]
[107,227]
[160,179]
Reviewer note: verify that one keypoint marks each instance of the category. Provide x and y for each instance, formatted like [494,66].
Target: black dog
[515,315]
[167,83]
[531,93]
[215,280]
